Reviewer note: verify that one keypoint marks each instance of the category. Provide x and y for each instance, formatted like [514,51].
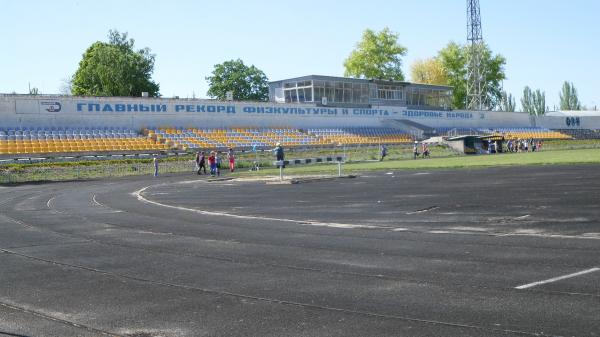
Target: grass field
[360,159]
[558,157]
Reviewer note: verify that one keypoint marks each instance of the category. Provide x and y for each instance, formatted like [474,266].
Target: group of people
[214,162]
[424,150]
[524,145]
[383,151]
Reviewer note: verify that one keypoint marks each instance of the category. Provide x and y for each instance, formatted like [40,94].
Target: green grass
[564,157]
[360,159]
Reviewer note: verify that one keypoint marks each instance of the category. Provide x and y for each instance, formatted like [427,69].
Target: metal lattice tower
[476,98]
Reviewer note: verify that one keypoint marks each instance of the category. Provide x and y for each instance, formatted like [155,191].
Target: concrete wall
[66,111]
[560,122]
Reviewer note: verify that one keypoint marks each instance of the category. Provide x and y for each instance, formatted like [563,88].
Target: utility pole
[476,98]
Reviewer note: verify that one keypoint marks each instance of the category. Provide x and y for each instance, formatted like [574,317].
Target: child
[231,157]
[425,150]
[201,160]
[212,162]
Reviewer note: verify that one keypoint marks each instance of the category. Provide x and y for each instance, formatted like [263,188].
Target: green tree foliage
[507,102]
[429,71]
[115,69]
[534,102]
[247,83]
[454,60]
[377,55]
[568,97]
[527,101]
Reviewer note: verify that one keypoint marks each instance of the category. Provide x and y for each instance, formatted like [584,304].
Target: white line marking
[587,271]
[49,203]
[138,195]
[104,206]
[96,201]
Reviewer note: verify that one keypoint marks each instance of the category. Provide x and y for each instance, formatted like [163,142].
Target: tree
[454,61]
[246,83]
[534,102]
[115,69]
[429,71]
[568,97]
[527,101]
[507,102]
[34,91]
[539,102]
[377,55]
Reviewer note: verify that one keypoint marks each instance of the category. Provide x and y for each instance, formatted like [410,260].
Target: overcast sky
[544,42]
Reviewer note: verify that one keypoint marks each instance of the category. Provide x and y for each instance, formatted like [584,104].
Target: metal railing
[85,172]
[61,170]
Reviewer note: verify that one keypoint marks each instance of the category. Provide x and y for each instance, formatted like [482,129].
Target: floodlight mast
[476,97]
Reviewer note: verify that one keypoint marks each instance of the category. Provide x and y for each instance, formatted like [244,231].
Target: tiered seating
[234,137]
[66,140]
[363,135]
[268,137]
[528,133]
[581,133]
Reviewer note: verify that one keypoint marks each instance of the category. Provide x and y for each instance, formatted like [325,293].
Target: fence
[65,171]
[85,172]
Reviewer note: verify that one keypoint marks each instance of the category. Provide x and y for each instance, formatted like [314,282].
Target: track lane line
[558,278]
[99,204]
[140,197]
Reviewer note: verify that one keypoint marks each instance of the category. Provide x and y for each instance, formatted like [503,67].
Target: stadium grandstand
[268,137]
[66,140]
[302,112]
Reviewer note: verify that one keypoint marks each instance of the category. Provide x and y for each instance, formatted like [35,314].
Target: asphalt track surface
[403,253]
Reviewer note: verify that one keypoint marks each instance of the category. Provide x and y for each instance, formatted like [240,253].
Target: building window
[389,92]
[308,94]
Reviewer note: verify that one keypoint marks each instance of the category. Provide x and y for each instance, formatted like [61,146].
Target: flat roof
[360,80]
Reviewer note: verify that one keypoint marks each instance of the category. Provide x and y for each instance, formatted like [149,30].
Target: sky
[545,42]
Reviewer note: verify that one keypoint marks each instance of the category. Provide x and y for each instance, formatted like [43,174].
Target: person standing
[383,152]
[201,163]
[416,150]
[197,161]
[212,162]
[155,164]
[279,155]
[231,157]
[425,150]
